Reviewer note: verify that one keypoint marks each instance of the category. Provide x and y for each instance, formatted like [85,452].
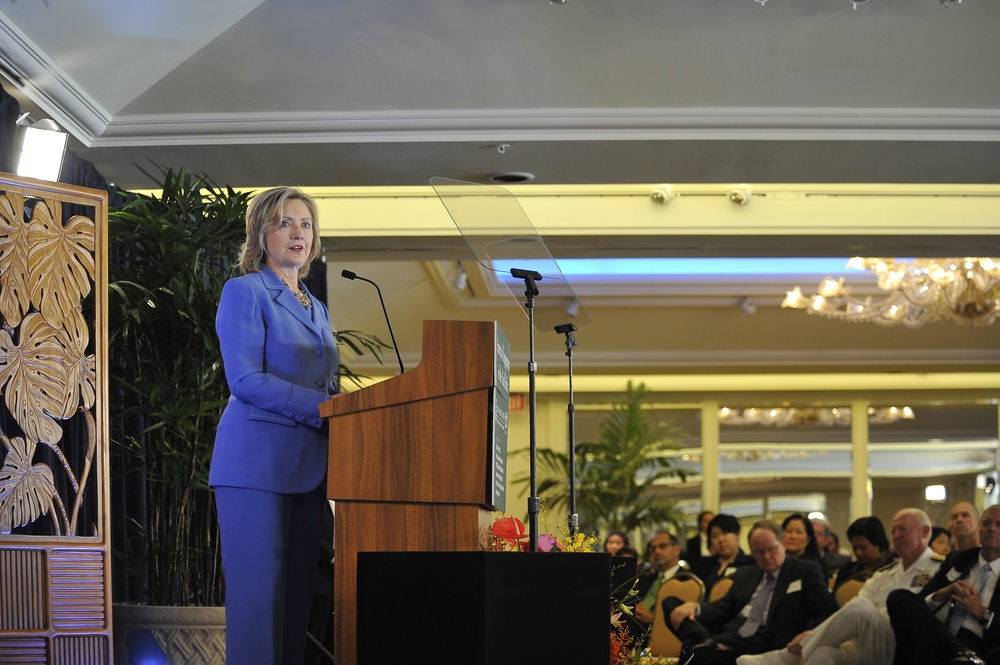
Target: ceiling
[382,92]
[337,93]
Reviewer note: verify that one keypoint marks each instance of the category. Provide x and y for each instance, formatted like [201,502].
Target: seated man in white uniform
[859,633]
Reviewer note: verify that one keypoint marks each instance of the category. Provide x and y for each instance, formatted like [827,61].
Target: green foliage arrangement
[170,255]
[615,474]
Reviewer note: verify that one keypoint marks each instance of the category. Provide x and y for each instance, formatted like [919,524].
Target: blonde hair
[263,216]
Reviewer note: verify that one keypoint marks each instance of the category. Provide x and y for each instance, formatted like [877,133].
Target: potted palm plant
[616,473]
[170,255]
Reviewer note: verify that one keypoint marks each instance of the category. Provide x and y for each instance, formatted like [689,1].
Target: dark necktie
[758,606]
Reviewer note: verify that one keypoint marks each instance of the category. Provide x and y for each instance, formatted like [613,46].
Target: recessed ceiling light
[511,177]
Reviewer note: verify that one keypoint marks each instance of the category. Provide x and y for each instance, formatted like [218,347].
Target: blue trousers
[270,554]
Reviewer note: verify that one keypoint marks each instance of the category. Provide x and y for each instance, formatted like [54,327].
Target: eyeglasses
[773,549]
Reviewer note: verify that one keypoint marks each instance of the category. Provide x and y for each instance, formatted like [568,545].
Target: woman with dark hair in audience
[940,540]
[614,542]
[724,534]
[870,545]
[800,538]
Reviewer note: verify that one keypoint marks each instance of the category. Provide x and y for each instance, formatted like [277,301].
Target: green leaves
[171,254]
[616,473]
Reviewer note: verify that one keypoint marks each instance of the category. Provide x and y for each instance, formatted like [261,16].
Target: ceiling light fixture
[951,3]
[855,3]
[810,416]
[740,195]
[573,308]
[662,194]
[511,177]
[963,290]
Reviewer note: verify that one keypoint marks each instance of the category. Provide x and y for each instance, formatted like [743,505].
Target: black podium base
[484,608]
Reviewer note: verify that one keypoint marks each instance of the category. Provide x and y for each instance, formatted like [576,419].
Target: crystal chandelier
[810,416]
[963,290]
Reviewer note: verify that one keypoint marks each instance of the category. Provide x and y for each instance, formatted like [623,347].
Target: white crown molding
[47,85]
[555,125]
[789,359]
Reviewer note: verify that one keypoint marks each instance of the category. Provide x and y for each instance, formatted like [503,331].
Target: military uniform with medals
[860,633]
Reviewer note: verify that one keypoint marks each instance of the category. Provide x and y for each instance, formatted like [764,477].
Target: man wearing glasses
[766,607]
[952,619]
[859,633]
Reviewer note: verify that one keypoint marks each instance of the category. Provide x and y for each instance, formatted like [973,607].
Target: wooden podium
[417,462]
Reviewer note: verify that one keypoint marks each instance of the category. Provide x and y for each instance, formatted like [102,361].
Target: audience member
[941,540]
[951,620]
[725,533]
[664,557]
[766,607]
[800,539]
[860,633]
[964,525]
[700,544]
[830,560]
[614,542]
[833,543]
[870,546]
[628,551]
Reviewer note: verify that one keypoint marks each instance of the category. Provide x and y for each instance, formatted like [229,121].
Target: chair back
[849,588]
[720,588]
[689,588]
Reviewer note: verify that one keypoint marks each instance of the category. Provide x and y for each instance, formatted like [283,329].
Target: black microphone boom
[347,274]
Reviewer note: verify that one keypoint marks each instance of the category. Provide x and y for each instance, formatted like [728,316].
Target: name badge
[795,585]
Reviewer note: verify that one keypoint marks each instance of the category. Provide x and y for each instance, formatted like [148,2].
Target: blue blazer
[280,361]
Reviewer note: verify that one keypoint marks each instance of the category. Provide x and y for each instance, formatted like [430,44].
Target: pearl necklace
[302,297]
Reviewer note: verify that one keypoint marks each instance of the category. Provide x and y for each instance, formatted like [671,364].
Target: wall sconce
[935,493]
[43,146]
[461,279]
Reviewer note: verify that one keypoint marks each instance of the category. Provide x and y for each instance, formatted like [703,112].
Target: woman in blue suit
[270,452]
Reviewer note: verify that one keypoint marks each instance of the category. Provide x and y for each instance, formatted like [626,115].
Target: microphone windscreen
[348,274]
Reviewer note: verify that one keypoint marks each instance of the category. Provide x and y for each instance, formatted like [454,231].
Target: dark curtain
[10,110]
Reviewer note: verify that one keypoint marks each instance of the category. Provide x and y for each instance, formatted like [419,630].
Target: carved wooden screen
[55,551]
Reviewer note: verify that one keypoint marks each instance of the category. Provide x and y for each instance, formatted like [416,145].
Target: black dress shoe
[690,651]
[966,657]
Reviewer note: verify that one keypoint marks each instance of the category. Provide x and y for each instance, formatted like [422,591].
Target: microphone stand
[534,503]
[574,519]
[349,274]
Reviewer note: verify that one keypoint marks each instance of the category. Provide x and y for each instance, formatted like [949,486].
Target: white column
[710,484]
[861,503]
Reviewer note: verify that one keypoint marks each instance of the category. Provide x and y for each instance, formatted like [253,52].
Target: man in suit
[664,555]
[951,619]
[964,525]
[859,633]
[767,606]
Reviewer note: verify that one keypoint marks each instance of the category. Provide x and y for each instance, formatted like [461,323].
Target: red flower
[511,531]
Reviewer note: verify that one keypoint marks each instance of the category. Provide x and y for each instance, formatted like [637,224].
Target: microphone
[347,274]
